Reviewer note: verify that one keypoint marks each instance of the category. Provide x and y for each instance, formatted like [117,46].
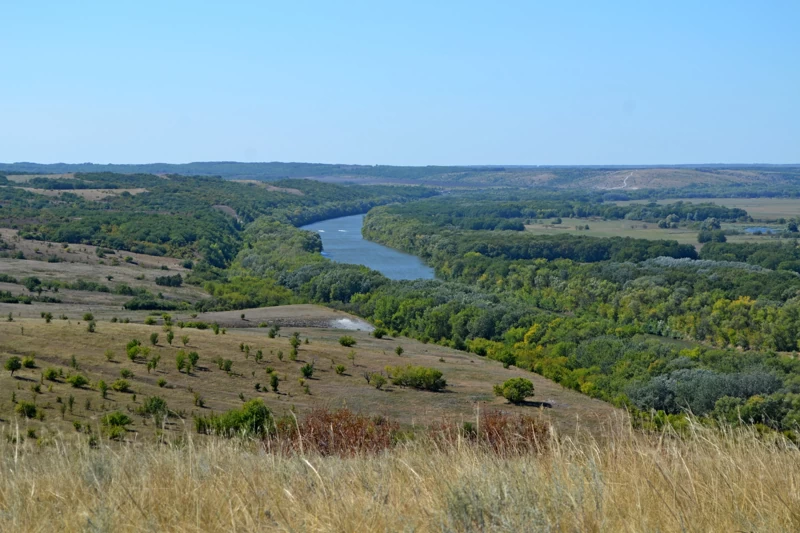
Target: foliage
[515,390]
[417,377]
[254,419]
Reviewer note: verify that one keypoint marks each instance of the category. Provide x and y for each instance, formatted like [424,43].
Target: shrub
[117,418]
[109,354]
[254,419]
[273,382]
[515,390]
[340,369]
[170,337]
[340,432]
[13,364]
[51,374]
[417,377]
[121,385]
[184,339]
[91,326]
[29,362]
[102,386]
[87,317]
[153,405]
[194,357]
[307,370]
[78,381]
[399,350]
[377,380]
[180,360]
[347,341]
[125,373]
[162,382]
[26,409]
[154,338]
[149,321]
[379,333]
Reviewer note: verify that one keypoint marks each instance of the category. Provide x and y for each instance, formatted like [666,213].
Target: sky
[400,83]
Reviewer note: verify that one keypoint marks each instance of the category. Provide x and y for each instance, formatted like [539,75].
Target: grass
[469,377]
[628,481]
[636,229]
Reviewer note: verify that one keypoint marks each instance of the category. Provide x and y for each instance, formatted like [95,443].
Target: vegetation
[515,390]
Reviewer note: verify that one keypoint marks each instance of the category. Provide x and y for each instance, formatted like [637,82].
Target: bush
[340,369]
[78,381]
[307,370]
[515,390]
[29,362]
[379,333]
[125,373]
[162,382]
[116,419]
[170,281]
[254,419]
[87,317]
[154,338]
[347,341]
[26,409]
[417,377]
[51,374]
[13,364]
[377,380]
[340,432]
[121,385]
[153,405]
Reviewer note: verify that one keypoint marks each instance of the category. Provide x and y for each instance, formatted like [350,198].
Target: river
[342,242]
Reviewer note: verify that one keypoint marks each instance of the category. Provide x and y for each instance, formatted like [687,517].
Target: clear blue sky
[404,82]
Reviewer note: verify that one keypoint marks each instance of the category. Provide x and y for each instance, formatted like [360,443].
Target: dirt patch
[93,195]
[269,187]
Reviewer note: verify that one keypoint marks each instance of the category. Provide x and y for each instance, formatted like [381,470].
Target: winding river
[342,242]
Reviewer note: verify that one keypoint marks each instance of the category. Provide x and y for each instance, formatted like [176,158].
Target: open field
[83,253]
[94,195]
[635,229]
[624,481]
[758,208]
[469,377]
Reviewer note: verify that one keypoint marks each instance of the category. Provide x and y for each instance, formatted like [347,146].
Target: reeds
[710,480]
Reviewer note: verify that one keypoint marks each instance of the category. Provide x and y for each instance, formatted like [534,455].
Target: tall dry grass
[709,481]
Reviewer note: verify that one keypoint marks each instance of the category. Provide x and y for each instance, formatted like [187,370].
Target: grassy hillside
[65,344]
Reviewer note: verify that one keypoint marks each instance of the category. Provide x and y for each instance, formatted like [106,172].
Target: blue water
[342,242]
[762,230]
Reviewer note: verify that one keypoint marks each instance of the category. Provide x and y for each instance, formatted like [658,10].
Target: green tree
[515,390]
[13,364]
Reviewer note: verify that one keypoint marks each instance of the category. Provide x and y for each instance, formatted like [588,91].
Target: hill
[610,178]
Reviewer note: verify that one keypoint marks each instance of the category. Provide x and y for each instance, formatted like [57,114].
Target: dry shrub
[341,432]
[497,431]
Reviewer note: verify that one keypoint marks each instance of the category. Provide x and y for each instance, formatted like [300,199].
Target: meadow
[622,481]
[766,209]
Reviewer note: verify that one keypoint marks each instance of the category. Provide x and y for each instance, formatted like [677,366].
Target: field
[625,481]
[635,229]
[55,344]
[767,209]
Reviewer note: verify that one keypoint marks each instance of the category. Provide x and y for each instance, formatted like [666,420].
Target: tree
[515,390]
[170,336]
[180,360]
[792,226]
[193,358]
[307,370]
[13,364]
[154,338]
[273,381]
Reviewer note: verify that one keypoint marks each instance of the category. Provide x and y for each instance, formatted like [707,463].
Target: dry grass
[626,482]
[470,378]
